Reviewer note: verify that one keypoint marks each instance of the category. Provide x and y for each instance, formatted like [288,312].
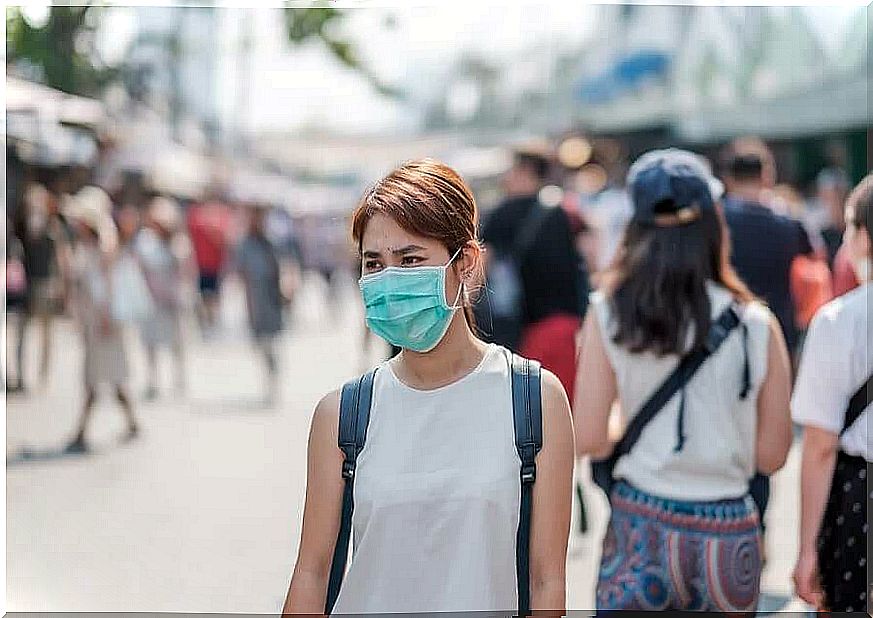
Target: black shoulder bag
[355,403]
[602,470]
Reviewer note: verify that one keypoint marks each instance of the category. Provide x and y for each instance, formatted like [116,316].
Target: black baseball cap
[671,187]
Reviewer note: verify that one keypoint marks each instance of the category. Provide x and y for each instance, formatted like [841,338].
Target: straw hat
[92,206]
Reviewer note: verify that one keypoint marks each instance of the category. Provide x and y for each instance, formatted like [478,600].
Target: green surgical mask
[407,306]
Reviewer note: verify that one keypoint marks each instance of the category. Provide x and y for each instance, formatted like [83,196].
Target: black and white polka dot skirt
[842,542]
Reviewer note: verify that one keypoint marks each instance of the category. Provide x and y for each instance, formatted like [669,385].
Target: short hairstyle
[745,166]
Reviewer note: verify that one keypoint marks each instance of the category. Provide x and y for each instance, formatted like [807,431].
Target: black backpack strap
[528,420]
[858,403]
[355,402]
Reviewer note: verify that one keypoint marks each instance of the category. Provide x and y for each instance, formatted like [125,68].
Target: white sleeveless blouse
[437,497]
[717,458]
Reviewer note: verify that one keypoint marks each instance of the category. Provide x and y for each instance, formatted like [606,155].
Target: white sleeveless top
[437,497]
[718,456]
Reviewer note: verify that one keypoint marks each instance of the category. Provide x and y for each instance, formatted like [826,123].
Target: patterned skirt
[662,554]
[842,541]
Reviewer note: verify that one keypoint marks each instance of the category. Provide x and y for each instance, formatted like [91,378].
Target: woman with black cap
[676,338]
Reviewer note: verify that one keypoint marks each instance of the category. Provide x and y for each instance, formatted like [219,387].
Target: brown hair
[427,198]
[860,201]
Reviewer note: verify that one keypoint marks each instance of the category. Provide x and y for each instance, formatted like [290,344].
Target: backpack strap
[858,403]
[528,422]
[355,402]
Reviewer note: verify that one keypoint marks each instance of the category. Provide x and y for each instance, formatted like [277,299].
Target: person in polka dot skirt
[832,402]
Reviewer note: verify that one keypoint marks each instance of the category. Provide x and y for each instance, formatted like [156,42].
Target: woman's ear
[471,260]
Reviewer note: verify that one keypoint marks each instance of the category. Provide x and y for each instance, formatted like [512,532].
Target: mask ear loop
[454,306]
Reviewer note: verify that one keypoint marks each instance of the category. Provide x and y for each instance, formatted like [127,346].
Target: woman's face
[856,239]
[385,244]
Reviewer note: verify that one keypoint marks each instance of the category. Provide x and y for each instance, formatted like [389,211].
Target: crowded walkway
[208,501]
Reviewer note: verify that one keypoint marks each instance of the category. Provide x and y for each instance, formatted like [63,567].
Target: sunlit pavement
[202,513]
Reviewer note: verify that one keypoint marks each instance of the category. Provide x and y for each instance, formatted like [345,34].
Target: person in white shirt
[831,569]
[684,532]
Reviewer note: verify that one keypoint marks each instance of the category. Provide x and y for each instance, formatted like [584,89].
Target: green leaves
[56,48]
[321,23]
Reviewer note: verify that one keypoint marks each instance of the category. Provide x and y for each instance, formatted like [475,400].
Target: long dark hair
[657,285]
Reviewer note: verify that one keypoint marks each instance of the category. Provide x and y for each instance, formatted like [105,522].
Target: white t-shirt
[717,459]
[837,360]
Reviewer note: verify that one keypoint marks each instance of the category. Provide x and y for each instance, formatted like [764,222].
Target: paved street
[202,513]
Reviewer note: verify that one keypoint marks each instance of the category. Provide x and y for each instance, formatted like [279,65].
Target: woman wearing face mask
[684,533]
[832,402]
[436,493]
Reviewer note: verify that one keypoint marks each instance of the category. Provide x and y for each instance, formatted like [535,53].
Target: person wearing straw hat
[163,272]
[90,211]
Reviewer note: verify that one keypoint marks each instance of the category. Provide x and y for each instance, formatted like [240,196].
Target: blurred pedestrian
[257,263]
[532,303]
[162,267]
[764,244]
[683,489]
[831,187]
[832,401]
[281,231]
[605,203]
[43,243]
[209,224]
[435,528]
[105,361]
[132,301]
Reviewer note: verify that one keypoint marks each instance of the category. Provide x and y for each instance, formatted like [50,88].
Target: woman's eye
[371,265]
[409,260]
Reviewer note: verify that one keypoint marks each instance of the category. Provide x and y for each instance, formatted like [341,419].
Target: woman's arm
[550,514]
[596,391]
[816,469]
[321,513]
[774,432]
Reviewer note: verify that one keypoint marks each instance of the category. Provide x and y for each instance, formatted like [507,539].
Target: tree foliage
[60,50]
[320,23]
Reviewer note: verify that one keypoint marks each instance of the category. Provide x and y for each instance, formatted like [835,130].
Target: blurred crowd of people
[570,252]
[685,315]
[561,233]
[785,246]
[138,261]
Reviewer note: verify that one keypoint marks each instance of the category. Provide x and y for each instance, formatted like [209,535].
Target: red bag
[811,287]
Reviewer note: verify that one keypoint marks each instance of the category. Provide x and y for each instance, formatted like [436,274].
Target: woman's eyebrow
[407,249]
